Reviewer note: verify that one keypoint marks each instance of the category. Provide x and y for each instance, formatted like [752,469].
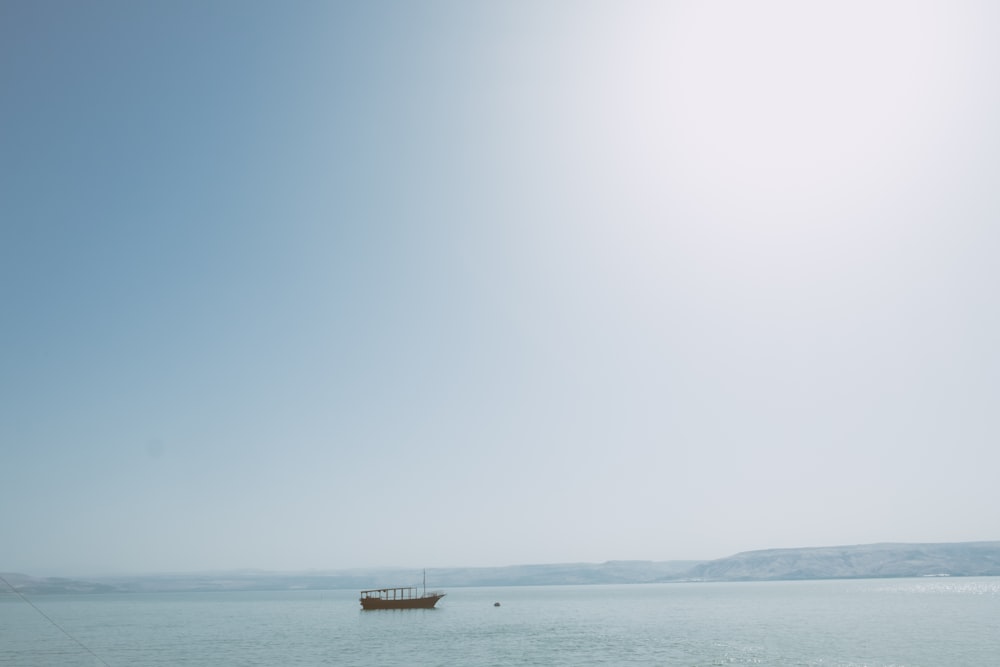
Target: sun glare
[794,104]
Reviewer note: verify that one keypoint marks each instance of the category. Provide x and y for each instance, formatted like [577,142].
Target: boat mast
[425,582]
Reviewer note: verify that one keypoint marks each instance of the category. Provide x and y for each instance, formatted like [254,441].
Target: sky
[329,285]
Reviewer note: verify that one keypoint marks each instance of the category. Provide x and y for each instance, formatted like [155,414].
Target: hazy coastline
[883,560]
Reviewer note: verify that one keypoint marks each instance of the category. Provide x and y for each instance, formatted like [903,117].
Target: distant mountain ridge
[842,562]
[961,559]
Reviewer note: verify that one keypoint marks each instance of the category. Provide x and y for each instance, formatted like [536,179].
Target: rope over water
[49,619]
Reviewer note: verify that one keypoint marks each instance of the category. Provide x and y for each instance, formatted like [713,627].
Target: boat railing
[400,593]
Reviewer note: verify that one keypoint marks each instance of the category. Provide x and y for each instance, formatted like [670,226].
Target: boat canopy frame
[398,593]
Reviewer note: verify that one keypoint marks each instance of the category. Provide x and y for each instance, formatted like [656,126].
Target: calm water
[876,623]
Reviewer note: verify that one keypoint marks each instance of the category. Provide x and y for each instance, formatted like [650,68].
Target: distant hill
[24,584]
[611,572]
[855,562]
[844,562]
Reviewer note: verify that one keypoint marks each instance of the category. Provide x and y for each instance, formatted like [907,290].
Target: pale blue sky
[326,285]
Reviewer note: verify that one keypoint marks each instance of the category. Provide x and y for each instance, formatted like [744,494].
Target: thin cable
[49,619]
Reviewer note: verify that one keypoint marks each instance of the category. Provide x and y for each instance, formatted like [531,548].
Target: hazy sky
[294,285]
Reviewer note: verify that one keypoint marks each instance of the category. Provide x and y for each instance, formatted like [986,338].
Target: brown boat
[405,597]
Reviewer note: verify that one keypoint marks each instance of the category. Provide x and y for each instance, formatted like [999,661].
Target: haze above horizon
[430,284]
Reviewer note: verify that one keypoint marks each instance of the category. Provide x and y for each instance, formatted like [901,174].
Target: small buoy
[496,604]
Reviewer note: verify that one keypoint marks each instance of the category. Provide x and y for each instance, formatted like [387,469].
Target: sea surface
[875,623]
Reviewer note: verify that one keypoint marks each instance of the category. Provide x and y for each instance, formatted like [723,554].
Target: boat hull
[423,602]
